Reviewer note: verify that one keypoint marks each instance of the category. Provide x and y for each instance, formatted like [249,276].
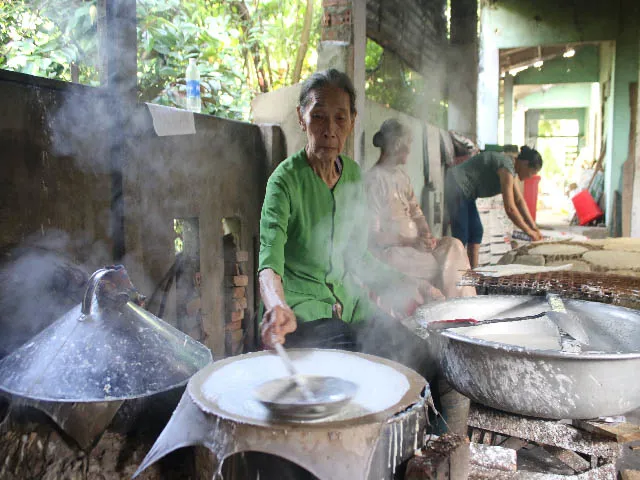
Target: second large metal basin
[538,379]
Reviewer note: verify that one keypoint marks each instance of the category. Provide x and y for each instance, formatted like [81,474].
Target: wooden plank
[514,443]
[569,458]
[630,474]
[476,434]
[545,432]
[487,438]
[635,208]
[620,432]
[629,167]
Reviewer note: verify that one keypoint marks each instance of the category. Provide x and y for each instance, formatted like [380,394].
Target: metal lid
[108,348]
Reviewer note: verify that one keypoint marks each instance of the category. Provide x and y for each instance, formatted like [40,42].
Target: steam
[38,284]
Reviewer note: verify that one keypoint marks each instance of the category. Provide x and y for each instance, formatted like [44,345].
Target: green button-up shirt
[315,238]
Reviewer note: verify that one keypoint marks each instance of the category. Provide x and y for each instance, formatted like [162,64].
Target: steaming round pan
[284,399]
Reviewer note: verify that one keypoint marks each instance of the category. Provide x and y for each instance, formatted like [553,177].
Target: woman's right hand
[535,235]
[276,323]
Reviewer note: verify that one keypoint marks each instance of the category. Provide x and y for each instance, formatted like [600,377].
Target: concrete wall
[568,95]
[55,190]
[56,178]
[462,73]
[279,107]
[526,23]
[218,172]
[462,86]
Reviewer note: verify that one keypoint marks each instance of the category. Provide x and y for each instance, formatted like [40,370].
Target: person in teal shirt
[317,277]
[485,175]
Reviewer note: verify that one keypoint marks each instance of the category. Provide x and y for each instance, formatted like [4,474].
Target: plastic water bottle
[193,87]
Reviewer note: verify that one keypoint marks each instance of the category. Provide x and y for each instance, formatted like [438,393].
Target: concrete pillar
[488,85]
[462,67]
[508,109]
[625,72]
[342,46]
[518,132]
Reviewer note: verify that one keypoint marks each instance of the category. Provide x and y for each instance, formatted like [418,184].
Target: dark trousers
[466,225]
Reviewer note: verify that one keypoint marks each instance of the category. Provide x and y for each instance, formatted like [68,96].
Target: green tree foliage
[390,82]
[49,38]
[242,47]
[555,136]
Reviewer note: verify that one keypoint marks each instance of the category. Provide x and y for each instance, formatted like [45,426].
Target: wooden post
[118,74]
[629,167]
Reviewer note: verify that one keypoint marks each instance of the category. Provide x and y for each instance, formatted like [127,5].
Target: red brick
[238,292]
[238,304]
[233,326]
[240,281]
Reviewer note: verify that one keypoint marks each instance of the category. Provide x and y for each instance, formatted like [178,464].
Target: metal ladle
[297,378]
[572,335]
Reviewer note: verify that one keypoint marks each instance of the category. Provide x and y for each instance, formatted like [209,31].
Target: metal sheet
[106,356]
[540,382]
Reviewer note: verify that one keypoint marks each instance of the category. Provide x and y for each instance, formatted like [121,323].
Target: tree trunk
[247,22]
[304,43]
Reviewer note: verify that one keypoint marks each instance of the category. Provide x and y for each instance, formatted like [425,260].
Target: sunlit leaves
[44,37]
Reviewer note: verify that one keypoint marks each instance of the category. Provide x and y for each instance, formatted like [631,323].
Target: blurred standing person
[485,175]
[399,233]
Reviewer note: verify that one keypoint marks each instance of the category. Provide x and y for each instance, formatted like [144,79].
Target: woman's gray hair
[390,135]
[327,78]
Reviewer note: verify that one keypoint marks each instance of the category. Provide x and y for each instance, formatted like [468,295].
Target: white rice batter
[232,387]
[538,333]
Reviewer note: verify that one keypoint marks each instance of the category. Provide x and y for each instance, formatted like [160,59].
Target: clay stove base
[327,453]
[585,455]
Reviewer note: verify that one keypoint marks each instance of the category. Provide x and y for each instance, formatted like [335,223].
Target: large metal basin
[539,381]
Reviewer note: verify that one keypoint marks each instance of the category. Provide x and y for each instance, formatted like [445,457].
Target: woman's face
[524,171]
[327,121]
[403,150]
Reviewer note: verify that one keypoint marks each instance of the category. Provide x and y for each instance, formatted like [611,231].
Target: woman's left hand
[403,303]
[427,243]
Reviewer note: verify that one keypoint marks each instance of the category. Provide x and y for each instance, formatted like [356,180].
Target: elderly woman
[399,233]
[316,275]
